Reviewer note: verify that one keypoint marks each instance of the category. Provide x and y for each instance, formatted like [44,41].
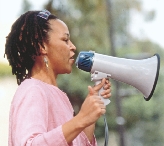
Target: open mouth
[72,57]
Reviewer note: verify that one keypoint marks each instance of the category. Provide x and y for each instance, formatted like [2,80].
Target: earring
[46,62]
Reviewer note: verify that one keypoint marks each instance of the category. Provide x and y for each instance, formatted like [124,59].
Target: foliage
[26,5]
[87,22]
[5,70]
[89,28]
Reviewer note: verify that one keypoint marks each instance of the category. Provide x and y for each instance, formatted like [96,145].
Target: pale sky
[9,12]
[153,30]
[10,9]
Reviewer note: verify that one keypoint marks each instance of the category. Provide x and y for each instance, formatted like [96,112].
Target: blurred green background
[103,26]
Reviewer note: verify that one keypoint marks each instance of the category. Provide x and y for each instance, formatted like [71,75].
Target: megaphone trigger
[97,77]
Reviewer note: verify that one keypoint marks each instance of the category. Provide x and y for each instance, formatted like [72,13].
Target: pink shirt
[37,113]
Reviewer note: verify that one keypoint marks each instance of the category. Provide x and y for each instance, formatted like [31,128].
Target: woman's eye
[66,41]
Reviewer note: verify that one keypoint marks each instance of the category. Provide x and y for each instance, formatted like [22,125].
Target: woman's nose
[73,47]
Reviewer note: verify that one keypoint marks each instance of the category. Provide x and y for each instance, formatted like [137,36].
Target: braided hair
[23,42]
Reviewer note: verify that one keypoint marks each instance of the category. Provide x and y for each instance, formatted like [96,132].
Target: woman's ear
[43,51]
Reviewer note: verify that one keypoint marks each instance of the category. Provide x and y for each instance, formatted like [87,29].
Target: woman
[38,49]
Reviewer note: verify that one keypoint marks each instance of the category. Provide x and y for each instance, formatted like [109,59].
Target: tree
[88,24]
[5,70]
[25,6]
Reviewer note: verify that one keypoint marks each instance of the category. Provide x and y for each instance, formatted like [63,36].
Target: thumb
[91,91]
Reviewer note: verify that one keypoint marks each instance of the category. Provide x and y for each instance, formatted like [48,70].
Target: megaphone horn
[141,74]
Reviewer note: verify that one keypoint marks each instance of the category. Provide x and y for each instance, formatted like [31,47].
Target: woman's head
[28,34]
[59,50]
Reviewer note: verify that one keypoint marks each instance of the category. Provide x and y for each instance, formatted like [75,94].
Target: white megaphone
[141,74]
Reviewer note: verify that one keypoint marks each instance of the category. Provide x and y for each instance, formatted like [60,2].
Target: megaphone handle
[106,101]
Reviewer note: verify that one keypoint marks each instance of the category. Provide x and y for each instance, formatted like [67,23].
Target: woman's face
[60,50]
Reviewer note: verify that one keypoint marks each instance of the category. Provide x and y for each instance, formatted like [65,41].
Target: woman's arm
[89,131]
[29,119]
[91,110]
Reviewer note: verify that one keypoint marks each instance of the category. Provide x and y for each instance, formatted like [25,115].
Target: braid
[23,43]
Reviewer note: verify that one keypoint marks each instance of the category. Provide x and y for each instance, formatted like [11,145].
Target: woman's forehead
[59,26]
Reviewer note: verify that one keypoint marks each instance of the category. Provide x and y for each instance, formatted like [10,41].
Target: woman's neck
[44,74]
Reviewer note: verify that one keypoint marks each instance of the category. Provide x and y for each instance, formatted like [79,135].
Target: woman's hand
[93,107]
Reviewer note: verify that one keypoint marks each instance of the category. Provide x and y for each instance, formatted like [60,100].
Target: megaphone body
[141,74]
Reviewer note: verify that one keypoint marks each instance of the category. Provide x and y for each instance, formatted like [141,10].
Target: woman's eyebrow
[67,34]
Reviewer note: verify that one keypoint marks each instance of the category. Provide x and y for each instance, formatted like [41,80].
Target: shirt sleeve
[86,141]
[29,120]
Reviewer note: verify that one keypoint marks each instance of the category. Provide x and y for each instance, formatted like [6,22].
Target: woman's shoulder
[35,83]
[29,89]
[35,86]
[28,84]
